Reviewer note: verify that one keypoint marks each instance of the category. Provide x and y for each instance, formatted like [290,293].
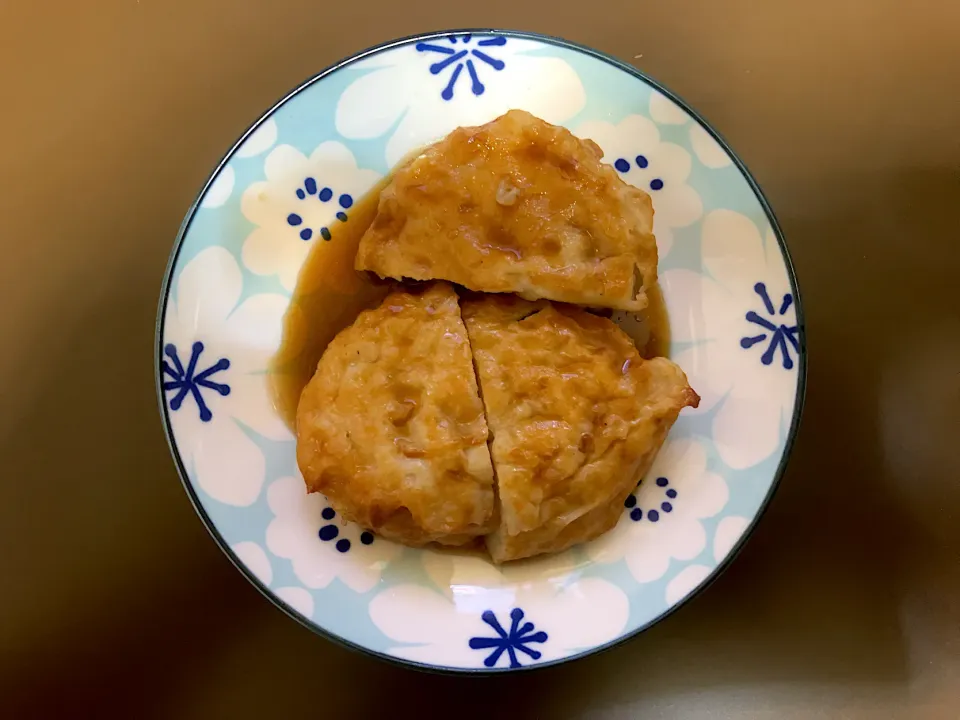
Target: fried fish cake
[516,206]
[391,428]
[577,417]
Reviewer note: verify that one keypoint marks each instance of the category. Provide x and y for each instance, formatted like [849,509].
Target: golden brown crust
[516,206]
[391,428]
[576,415]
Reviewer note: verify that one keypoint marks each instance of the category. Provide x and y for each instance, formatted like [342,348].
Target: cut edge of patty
[497,541]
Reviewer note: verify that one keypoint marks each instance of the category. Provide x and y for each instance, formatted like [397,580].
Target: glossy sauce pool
[327,298]
[330,294]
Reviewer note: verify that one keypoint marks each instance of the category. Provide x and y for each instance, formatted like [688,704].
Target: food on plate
[508,414]
[516,206]
[391,428]
[576,415]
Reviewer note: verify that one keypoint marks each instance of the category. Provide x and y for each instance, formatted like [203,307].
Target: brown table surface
[114,600]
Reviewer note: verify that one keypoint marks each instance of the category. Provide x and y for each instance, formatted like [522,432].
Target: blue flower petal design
[189,382]
[777,335]
[637,513]
[461,55]
[330,532]
[308,190]
[518,638]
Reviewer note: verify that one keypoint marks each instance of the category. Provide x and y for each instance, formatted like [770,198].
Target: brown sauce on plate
[327,298]
[649,329]
[330,294]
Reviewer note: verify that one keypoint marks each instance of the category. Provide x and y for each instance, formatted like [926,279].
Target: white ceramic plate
[735,315]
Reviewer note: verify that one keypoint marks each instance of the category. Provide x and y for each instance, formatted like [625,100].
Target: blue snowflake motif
[329,532]
[778,335]
[324,195]
[653,515]
[518,638]
[189,381]
[461,55]
[623,166]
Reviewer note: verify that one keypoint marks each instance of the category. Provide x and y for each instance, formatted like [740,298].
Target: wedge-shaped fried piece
[577,417]
[516,206]
[391,428]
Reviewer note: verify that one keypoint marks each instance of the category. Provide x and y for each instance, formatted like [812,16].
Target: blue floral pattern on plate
[448,93]
[330,531]
[653,514]
[737,331]
[297,198]
[519,638]
[645,158]
[324,195]
[464,51]
[187,381]
[777,335]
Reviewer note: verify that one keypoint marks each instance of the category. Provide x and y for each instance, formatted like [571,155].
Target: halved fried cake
[516,206]
[576,414]
[391,428]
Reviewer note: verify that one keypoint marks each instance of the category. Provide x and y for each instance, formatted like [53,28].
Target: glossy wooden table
[846,603]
